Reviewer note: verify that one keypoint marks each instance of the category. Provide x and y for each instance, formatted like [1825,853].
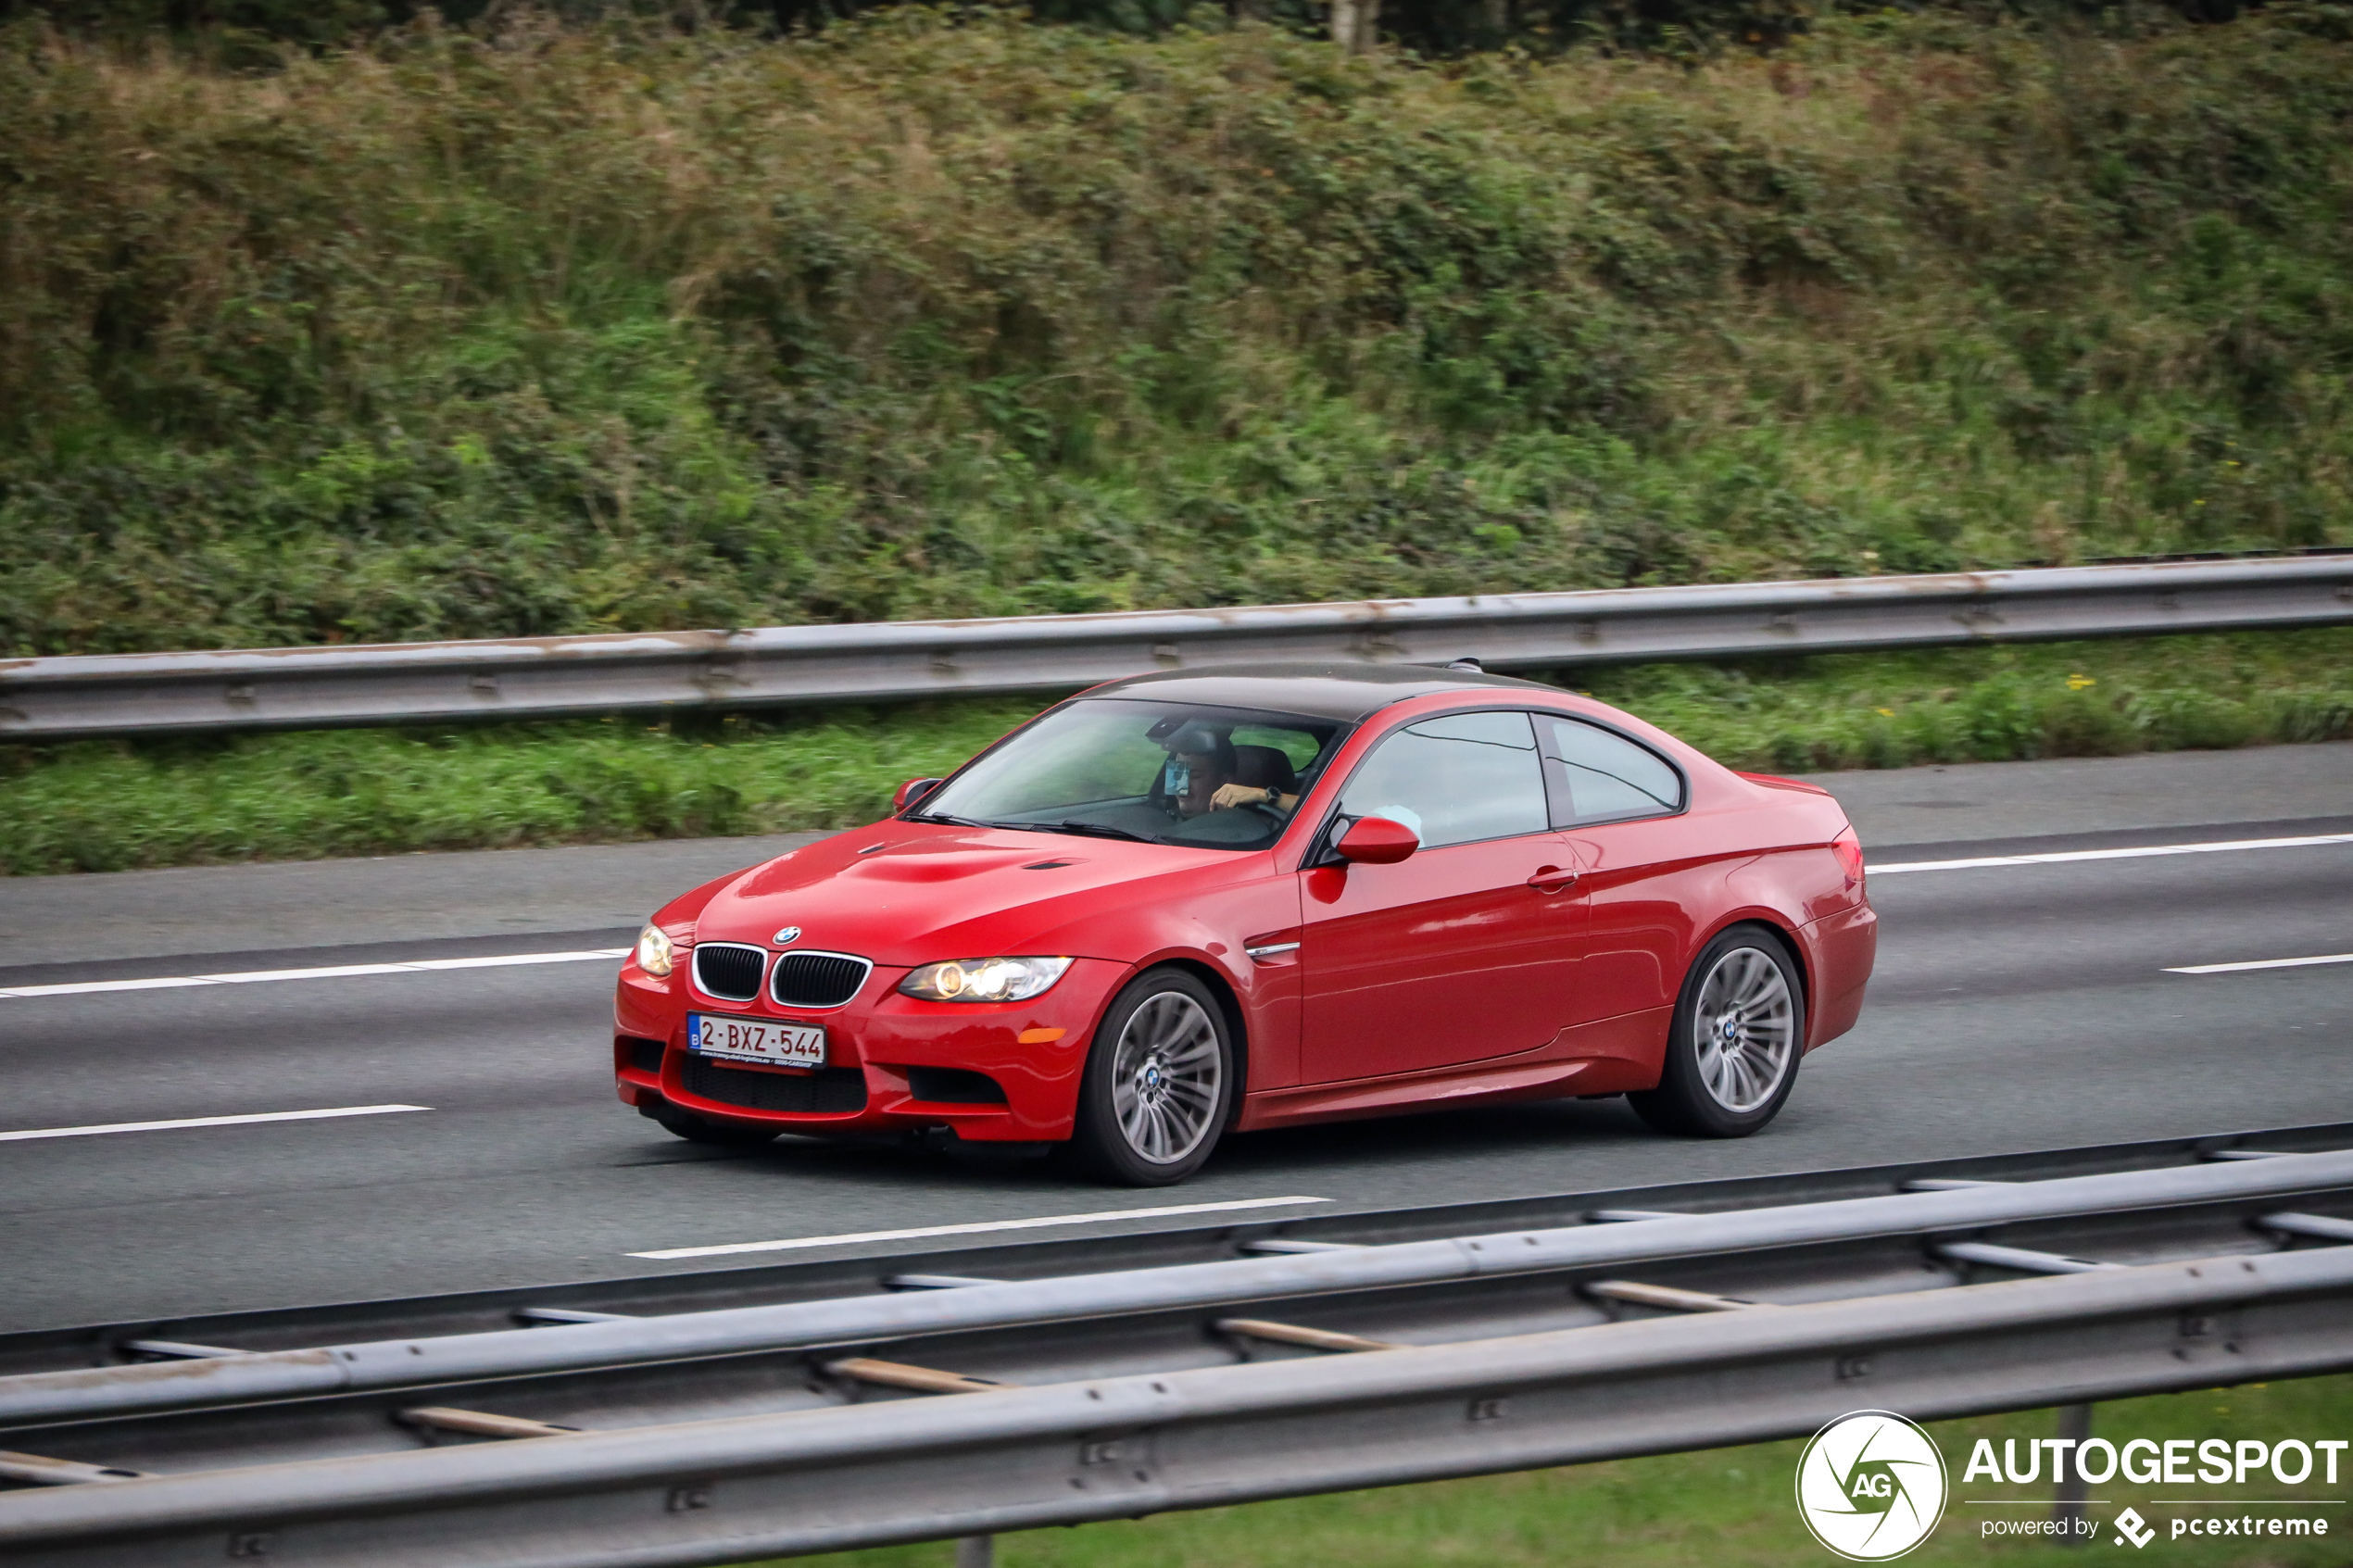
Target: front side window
[1604,777]
[1164,772]
[1455,780]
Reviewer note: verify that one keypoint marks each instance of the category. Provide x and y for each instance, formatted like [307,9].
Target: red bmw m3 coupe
[1192,903]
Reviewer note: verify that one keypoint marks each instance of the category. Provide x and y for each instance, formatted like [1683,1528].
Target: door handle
[1551,879]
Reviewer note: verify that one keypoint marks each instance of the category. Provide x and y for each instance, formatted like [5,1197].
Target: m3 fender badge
[788,933]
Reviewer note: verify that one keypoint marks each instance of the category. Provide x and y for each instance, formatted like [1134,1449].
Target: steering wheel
[1268,806]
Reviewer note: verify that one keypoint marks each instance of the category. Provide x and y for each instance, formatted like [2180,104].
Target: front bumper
[993,1071]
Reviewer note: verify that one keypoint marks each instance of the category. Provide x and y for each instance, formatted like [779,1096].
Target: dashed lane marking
[30,1133]
[330,972]
[2061,857]
[978,1227]
[428,966]
[2261,963]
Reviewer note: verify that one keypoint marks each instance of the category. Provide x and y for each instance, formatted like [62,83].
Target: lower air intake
[831,1091]
[953,1085]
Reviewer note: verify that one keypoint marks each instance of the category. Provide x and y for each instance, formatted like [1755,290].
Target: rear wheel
[703,1130]
[1732,1050]
[1159,1083]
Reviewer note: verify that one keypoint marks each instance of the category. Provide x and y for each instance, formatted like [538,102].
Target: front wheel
[1732,1049]
[1159,1083]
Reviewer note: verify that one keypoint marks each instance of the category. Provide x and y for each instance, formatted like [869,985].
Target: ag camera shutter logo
[1871,1485]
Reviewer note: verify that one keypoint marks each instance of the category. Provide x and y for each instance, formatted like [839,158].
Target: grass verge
[116,806]
[1727,1508]
[533,328]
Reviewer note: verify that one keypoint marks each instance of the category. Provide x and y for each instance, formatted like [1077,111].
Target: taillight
[1849,850]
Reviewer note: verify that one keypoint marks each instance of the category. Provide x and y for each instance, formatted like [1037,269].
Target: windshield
[1164,772]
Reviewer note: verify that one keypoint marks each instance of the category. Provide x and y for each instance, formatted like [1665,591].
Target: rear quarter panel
[1747,850]
[1798,885]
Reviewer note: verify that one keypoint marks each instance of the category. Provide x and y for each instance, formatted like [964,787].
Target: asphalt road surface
[2016,1007]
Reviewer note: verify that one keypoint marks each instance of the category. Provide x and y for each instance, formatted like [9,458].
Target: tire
[1734,1048]
[718,1135]
[1159,1085]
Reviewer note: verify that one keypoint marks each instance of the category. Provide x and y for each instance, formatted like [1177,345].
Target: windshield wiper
[1097,830]
[1092,830]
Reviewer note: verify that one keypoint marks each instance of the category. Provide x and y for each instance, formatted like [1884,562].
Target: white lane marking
[208,1122]
[425,966]
[975,1229]
[2261,963]
[2060,855]
[330,972]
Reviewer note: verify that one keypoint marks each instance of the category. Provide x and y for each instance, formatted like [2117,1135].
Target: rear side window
[1598,776]
[1455,780]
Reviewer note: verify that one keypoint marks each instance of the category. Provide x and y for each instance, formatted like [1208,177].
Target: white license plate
[752,1039]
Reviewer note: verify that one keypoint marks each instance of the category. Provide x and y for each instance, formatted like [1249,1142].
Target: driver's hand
[1233,794]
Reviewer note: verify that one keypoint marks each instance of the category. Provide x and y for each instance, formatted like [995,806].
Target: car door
[1618,804]
[1460,952]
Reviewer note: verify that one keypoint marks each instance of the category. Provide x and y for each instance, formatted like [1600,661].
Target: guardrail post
[2074,1429]
[976,1551]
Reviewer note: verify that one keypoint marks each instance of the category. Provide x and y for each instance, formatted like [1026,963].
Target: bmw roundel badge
[789,934]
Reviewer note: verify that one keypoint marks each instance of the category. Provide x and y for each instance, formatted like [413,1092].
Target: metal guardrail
[65,697]
[868,1269]
[199,1383]
[732,1490]
[777,1429]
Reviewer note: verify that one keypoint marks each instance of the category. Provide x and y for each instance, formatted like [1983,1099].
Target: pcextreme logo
[1871,1485]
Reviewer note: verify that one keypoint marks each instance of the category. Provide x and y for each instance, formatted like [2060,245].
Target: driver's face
[1204,780]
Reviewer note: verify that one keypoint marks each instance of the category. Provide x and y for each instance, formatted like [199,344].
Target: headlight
[655,955]
[983,980]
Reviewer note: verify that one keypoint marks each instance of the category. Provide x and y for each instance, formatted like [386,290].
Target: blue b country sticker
[1871,1485]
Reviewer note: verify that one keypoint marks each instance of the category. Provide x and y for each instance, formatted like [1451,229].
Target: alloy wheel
[1746,1029]
[1165,1072]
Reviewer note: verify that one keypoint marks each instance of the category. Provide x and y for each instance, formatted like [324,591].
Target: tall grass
[548,328]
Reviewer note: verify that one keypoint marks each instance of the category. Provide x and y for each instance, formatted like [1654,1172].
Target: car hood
[909,892]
